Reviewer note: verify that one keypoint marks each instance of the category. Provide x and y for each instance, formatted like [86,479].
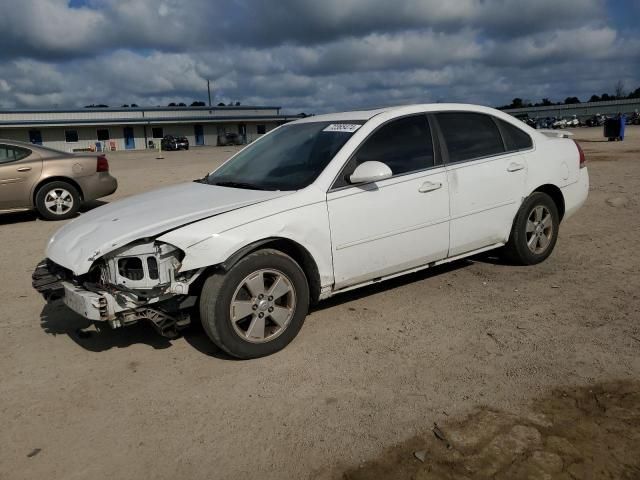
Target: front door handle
[514,167]
[24,169]
[429,187]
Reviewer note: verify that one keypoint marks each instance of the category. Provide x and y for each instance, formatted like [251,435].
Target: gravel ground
[370,369]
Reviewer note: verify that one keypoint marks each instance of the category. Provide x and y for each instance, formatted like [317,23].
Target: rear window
[470,135]
[10,153]
[514,138]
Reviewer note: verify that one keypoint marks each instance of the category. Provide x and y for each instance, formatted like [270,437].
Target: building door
[242,130]
[199,134]
[129,139]
[35,137]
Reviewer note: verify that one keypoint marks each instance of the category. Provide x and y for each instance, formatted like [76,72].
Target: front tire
[257,307]
[58,200]
[535,230]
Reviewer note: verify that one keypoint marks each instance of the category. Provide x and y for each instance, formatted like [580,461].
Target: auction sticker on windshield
[342,127]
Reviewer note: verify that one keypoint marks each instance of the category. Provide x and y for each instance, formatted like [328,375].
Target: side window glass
[404,145]
[514,138]
[9,153]
[470,135]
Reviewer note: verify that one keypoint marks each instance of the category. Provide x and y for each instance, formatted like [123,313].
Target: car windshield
[290,158]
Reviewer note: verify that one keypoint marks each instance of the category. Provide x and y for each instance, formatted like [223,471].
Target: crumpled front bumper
[117,308]
[50,282]
[46,281]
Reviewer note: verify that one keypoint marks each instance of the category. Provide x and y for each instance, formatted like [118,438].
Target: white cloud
[309,55]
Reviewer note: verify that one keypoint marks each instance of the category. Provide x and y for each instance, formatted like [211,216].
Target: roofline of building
[134,109]
[144,121]
[570,106]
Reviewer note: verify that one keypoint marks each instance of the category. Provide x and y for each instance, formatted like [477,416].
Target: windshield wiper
[249,186]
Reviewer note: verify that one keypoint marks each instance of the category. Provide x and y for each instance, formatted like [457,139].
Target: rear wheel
[535,230]
[57,200]
[256,308]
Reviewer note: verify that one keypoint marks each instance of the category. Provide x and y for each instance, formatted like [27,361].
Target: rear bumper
[576,194]
[99,185]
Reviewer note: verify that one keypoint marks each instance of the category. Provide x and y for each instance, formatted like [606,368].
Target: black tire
[218,293]
[517,248]
[46,194]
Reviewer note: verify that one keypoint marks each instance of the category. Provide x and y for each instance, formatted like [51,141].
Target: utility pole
[209,91]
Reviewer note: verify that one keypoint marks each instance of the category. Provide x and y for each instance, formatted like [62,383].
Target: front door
[20,169]
[486,182]
[385,227]
[129,138]
[198,132]
[242,130]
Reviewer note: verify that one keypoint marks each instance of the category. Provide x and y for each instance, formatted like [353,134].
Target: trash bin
[612,128]
[98,146]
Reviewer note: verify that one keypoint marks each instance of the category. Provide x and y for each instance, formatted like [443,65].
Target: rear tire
[58,200]
[257,307]
[535,230]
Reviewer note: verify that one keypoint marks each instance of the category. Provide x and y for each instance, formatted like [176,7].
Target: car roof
[364,115]
[18,143]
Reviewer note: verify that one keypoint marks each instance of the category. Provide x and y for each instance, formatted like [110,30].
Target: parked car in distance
[596,120]
[53,182]
[230,138]
[316,207]
[173,142]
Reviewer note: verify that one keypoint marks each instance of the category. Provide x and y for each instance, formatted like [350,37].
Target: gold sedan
[53,182]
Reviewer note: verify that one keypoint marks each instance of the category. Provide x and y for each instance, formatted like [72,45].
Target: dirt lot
[526,371]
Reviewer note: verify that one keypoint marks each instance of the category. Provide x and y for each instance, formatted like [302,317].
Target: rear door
[20,169]
[486,178]
[384,227]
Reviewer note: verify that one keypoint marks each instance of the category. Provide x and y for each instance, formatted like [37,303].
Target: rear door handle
[24,169]
[514,167]
[429,187]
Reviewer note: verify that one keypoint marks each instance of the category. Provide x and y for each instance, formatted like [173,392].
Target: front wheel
[535,230]
[256,308]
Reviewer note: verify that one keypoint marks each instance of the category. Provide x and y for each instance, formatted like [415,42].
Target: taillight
[583,160]
[103,164]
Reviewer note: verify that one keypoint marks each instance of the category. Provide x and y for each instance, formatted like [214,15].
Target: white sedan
[316,207]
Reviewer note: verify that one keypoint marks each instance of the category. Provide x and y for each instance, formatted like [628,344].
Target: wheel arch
[289,247]
[48,180]
[556,195]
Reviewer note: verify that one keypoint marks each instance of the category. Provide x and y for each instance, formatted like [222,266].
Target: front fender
[307,226]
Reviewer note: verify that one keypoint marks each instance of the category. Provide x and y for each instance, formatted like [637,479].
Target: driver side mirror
[370,172]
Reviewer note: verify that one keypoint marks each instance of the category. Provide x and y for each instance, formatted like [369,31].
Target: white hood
[97,232]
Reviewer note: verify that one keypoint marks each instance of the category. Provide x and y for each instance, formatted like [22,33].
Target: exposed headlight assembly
[142,266]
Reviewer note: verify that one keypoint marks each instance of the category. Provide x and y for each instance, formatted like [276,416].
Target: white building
[135,128]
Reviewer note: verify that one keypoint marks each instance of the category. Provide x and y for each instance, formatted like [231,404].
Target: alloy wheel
[262,306]
[58,201]
[539,230]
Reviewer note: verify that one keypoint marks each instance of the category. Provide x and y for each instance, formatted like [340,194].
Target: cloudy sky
[314,55]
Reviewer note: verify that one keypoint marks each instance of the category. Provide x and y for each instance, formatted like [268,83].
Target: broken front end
[141,281]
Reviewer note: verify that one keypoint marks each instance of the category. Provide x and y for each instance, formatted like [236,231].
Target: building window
[35,137]
[262,129]
[103,134]
[71,136]
[157,132]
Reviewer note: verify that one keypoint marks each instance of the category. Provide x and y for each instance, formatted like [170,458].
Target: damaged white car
[316,207]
